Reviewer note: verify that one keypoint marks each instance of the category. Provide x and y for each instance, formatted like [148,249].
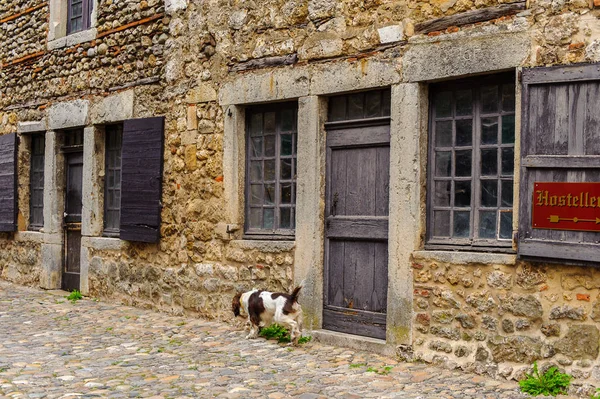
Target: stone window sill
[264,245]
[104,243]
[30,236]
[465,258]
[73,39]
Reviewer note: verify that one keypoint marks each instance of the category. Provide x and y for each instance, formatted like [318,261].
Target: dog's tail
[295,294]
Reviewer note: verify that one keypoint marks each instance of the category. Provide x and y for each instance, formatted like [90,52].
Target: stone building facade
[369,87]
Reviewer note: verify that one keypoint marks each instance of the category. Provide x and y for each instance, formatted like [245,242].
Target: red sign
[566,206]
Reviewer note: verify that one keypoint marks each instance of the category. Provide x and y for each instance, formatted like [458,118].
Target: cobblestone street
[52,348]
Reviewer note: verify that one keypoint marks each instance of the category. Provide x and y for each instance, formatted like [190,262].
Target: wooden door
[72,225]
[356,227]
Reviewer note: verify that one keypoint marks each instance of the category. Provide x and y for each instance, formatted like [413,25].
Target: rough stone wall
[19,261]
[142,275]
[487,318]
[494,319]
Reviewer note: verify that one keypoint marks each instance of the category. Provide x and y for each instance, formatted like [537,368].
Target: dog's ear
[235,304]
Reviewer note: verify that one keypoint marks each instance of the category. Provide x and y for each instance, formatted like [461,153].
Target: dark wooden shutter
[560,142]
[8,182]
[141,179]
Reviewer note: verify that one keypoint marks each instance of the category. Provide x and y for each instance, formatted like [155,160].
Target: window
[470,185]
[271,170]
[36,182]
[79,15]
[112,185]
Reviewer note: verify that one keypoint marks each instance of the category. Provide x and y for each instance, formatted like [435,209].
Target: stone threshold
[355,342]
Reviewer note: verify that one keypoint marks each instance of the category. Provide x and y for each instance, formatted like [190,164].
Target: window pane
[443,134]
[443,104]
[387,98]
[286,169]
[256,146]
[268,218]
[462,224]
[442,193]
[285,218]
[256,194]
[286,144]
[255,220]
[487,224]
[256,174]
[269,122]
[508,129]
[443,161]
[462,193]
[256,124]
[507,192]
[337,108]
[508,161]
[506,225]
[489,193]
[441,223]
[373,104]
[489,99]
[269,194]
[489,130]
[287,120]
[270,146]
[270,170]
[489,162]
[463,163]
[286,193]
[464,132]
[355,106]
[464,102]
[508,97]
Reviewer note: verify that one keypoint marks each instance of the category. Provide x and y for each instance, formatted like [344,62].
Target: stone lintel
[65,115]
[31,127]
[464,56]
[115,108]
[317,79]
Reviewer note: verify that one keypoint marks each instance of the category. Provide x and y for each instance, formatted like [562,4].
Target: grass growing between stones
[552,382]
[74,296]
[596,395]
[280,334]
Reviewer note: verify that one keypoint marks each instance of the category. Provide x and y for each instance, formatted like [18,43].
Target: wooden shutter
[141,179]
[560,142]
[8,182]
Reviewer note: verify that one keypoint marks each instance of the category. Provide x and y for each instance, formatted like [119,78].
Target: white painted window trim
[57,29]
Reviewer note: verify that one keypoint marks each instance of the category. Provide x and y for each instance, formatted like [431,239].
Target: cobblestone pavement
[52,348]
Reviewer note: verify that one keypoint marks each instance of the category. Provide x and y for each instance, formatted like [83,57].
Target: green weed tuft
[277,332]
[74,296]
[552,382]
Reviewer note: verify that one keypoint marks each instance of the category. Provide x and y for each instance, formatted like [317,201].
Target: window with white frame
[471,167]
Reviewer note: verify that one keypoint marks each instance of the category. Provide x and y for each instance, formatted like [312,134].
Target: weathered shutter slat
[8,182]
[141,179]
[560,142]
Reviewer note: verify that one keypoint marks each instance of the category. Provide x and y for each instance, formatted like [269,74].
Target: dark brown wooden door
[356,227]
[73,205]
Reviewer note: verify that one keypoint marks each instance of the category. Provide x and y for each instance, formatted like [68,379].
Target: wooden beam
[23,59]
[264,63]
[562,161]
[561,74]
[470,17]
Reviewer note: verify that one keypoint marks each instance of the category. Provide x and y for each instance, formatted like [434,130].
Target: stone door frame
[310,86]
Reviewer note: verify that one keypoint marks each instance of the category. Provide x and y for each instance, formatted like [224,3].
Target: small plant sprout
[552,382]
[596,395]
[277,332]
[304,339]
[74,296]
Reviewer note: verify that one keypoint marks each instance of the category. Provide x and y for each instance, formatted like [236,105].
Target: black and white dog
[264,308]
